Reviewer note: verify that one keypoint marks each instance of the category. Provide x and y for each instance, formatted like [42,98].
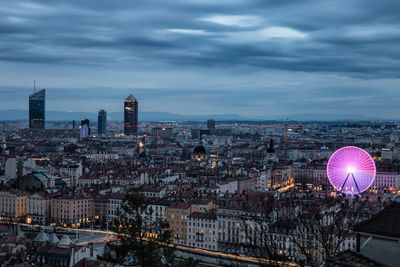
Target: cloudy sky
[268,58]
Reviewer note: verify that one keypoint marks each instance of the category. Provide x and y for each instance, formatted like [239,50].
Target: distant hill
[167,116]
[115,116]
[329,117]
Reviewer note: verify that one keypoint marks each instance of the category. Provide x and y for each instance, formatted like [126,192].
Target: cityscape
[262,138]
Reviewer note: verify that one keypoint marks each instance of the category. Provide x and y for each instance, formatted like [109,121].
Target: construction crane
[285,126]
[156,127]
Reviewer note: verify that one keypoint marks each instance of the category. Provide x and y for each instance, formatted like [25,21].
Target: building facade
[73,171]
[37,109]
[177,217]
[131,106]
[114,206]
[38,208]
[102,122]
[13,204]
[203,230]
[84,129]
[71,209]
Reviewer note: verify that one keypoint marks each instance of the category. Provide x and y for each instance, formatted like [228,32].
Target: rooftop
[385,223]
[130,98]
[349,258]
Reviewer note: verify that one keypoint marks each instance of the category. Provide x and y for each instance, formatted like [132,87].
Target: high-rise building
[37,109]
[102,122]
[85,122]
[131,105]
[211,124]
[84,129]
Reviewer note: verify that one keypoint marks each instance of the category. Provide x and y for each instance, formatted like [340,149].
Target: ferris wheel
[351,170]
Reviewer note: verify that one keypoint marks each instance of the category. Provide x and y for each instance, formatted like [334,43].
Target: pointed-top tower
[131,106]
[37,109]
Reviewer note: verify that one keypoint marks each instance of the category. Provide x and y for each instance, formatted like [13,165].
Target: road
[109,235]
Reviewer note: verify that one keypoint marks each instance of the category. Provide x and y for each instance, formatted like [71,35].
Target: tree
[321,233]
[144,241]
[267,235]
[265,240]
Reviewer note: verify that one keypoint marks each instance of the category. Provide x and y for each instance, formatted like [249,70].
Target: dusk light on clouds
[264,59]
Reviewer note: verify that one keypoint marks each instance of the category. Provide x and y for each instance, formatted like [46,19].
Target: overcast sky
[255,58]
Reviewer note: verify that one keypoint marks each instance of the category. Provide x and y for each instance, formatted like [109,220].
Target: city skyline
[268,133]
[248,57]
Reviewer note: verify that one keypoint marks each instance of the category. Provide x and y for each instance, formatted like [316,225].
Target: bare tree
[319,234]
[264,239]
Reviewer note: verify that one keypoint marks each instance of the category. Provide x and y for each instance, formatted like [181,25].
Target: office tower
[102,122]
[84,129]
[211,124]
[131,115]
[37,109]
[73,124]
[85,122]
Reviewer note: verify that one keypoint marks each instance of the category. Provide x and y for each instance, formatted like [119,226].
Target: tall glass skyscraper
[131,105]
[102,122]
[37,109]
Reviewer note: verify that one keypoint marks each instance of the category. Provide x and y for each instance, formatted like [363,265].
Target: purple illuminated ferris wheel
[351,170]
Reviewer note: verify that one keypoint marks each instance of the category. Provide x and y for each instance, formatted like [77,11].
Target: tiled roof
[204,215]
[180,205]
[386,222]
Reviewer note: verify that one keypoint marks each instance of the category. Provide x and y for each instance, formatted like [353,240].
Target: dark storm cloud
[336,36]
[201,50]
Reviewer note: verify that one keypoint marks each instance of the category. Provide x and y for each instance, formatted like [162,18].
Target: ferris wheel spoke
[355,181]
[347,177]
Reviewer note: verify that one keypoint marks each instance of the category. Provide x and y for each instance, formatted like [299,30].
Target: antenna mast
[34,86]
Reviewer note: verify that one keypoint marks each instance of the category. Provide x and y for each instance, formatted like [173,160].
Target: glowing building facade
[131,105]
[84,129]
[37,109]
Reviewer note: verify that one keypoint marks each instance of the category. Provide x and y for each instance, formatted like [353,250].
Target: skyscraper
[84,129]
[131,115]
[102,122]
[211,124]
[37,109]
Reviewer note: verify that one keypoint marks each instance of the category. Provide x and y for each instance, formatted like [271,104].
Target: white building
[159,209]
[384,180]
[203,230]
[38,208]
[262,181]
[15,165]
[103,156]
[229,229]
[387,154]
[73,171]
[114,206]
[11,168]
[229,187]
